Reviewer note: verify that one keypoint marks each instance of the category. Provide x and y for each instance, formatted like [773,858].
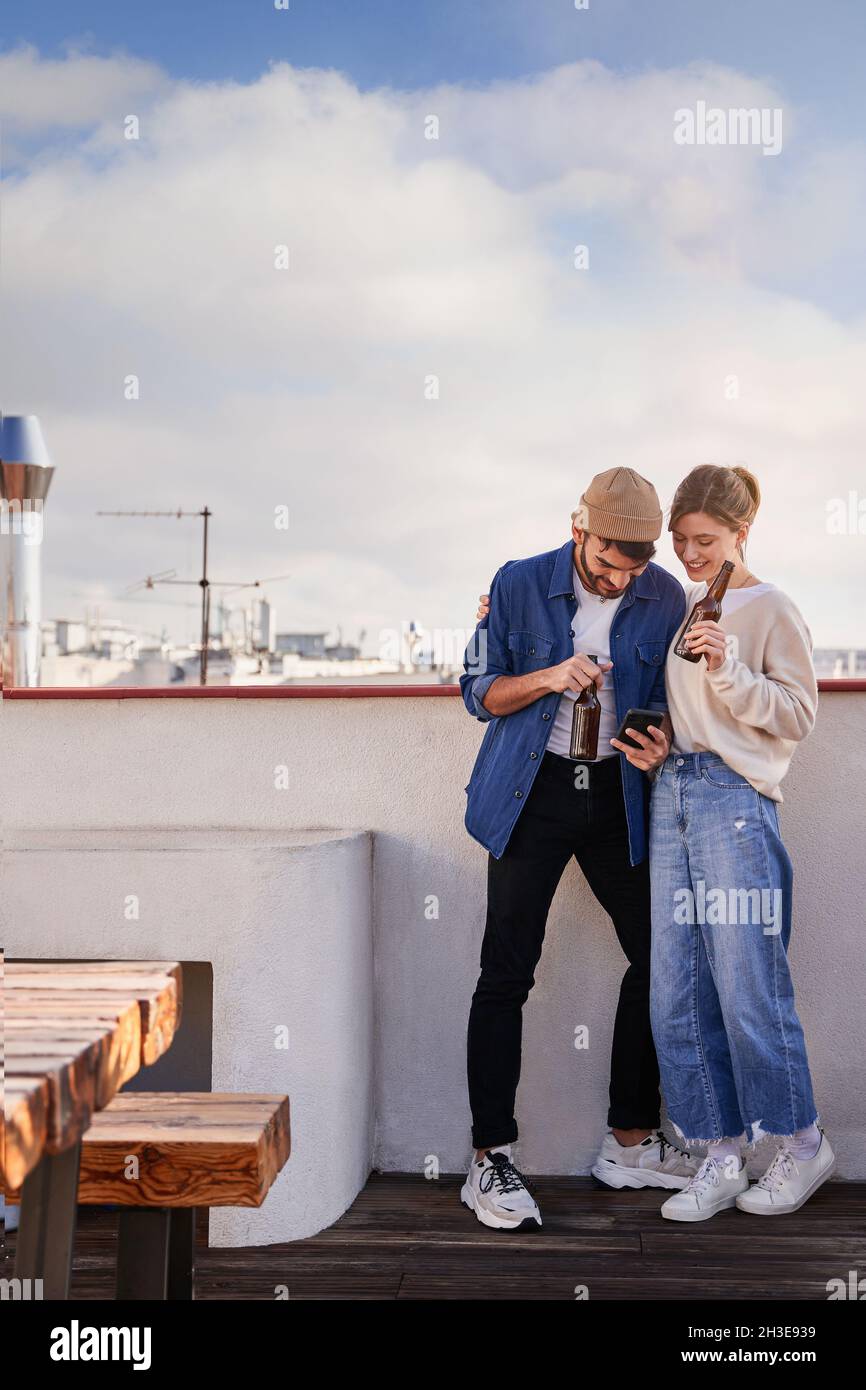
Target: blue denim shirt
[532,605]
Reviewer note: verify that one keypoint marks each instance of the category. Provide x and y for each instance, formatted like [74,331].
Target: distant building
[264,626]
[71,636]
[107,639]
[301,643]
[840,663]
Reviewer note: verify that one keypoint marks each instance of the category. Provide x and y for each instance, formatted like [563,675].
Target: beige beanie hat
[620,505]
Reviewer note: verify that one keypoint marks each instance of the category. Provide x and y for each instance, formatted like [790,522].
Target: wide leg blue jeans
[730,1046]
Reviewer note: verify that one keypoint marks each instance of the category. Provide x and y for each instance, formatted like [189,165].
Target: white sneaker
[652,1163]
[712,1189]
[498,1193]
[789,1181]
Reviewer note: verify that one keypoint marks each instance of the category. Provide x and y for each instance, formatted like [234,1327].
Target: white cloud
[411,257]
[74,91]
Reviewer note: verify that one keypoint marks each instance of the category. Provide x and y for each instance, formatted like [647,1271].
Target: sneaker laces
[666,1144]
[504,1175]
[706,1176]
[783,1165]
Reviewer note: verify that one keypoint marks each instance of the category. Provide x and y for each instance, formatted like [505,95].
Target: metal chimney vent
[25,477]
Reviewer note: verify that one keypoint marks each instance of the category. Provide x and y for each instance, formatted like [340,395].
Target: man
[532,807]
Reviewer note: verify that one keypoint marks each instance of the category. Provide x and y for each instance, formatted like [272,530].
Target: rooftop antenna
[168,577]
[204,582]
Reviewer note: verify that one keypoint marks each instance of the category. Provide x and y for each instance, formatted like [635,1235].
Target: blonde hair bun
[731,495]
[752,487]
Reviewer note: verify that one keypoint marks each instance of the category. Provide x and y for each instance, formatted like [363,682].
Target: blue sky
[812,53]
[412,257]
[816,50]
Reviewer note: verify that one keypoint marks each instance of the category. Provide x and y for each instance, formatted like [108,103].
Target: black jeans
[559,820]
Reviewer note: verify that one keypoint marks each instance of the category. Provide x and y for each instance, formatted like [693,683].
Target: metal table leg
[46,1231]
[181,1253]
[142,1253]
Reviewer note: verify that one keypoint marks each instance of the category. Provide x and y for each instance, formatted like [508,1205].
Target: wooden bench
[73,1034]
[160,1156]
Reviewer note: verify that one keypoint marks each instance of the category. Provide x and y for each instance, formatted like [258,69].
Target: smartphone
[639,719]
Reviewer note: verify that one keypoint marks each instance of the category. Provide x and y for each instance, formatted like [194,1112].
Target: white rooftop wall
[397,766]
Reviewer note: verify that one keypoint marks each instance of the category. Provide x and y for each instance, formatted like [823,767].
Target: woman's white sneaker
[713,1188]
[789,1181]
[652,1163]
[498,1193]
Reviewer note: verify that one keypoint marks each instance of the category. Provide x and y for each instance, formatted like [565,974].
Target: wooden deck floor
[406,1238]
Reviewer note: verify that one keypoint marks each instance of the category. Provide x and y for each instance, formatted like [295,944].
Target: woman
[730,1045]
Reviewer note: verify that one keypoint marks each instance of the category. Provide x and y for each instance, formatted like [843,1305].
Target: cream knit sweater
[761,701]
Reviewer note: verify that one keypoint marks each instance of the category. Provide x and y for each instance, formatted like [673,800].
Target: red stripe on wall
[223,692]
[272,692]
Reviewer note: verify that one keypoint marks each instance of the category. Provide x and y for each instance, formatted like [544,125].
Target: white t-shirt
[591,623]
[737,598]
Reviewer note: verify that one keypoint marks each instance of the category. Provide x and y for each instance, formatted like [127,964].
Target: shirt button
[532,651]
[545,716]
[533,755]
[518,793]
[656,659]
[571,632]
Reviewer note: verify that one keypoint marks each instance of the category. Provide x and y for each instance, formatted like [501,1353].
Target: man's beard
[591,580]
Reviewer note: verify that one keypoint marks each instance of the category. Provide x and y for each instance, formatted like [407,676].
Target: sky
[284,294]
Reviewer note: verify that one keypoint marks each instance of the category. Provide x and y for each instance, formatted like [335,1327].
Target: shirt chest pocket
[530,651]
[651,659]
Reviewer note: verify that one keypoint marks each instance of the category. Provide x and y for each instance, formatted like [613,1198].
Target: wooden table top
[74,1033]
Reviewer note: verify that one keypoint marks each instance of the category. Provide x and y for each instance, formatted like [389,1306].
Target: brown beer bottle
[707,609]
[585,721]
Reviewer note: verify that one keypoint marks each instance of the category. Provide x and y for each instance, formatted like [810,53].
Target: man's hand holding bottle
[579,673]
[576,673]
